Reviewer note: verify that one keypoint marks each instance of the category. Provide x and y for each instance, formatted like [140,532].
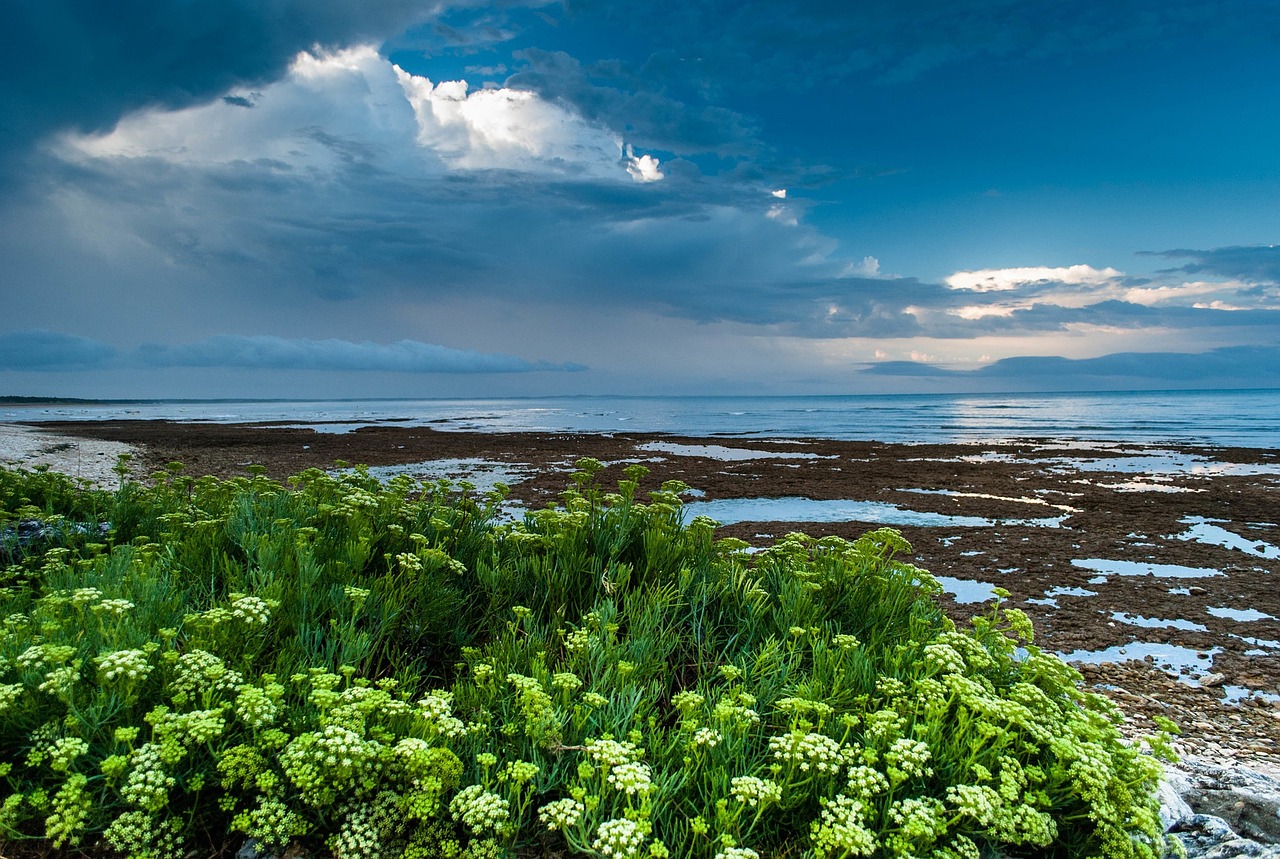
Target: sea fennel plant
[369,670]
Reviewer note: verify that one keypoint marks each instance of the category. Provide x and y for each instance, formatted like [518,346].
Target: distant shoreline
[1209,419]
[17,400]
[63,401]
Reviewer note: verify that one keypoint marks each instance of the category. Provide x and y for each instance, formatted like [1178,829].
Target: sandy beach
[1154,570]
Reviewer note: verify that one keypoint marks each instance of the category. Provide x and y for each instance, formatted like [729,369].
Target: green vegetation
[383,671]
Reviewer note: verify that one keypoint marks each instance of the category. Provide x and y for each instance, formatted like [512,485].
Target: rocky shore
[1219,809]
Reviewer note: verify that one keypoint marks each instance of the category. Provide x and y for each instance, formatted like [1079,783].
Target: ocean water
[1214,418]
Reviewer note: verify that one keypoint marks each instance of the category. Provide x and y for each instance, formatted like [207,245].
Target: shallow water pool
[730,511]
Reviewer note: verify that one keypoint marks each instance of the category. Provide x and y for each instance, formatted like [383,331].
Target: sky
[420,198]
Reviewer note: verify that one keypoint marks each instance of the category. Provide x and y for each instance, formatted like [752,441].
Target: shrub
[392,671]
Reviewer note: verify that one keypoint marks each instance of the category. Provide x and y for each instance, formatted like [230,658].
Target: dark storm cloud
[82,64]
[1255,264]
[278,353]
[47,350]
[1254,365]
[609,94]
[700,250]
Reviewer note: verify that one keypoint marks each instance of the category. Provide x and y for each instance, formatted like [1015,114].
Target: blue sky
[404,198]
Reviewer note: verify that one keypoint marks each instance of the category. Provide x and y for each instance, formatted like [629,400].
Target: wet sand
[1120,552]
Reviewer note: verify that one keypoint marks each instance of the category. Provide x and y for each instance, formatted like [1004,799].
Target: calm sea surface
[1237,418]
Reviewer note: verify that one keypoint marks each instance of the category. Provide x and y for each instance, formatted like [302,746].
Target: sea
[1247,418]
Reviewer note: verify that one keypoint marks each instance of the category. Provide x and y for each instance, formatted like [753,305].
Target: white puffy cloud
[1003,279]
[869,267]
[1221,295]
[974,311]
[502,128]
[643,168]
[329,108]
[354,106]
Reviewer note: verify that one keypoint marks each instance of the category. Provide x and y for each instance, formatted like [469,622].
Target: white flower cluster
[439,558]
[255,707]
[890,688]
[520,772]
[979,802]
[361,834]
[272,823]
[736,711]
[907,759]
[71,807]
[975,655]
[479,810]
[60,681]
[535,704]
[199,670]
[8,695]
[129,666]
[82,596]
[918,818]
[867,782]
[802,707]
[409,563]
[577,641]
[1090,767]
[1022,824]
[944,659]
[633,779]
[930,693]
[199,726]
[839,829]
[113,607]
[137,833]
[737,853]
[65,751]
[252,610]
[619,838]
[147,785]
[436,709]
[357,498]
[356,595]
[45,654]
[807,751]
[755,791]
[562,814]
[708,737]
[884,725]
[341,748]
[959,847]
[611,752]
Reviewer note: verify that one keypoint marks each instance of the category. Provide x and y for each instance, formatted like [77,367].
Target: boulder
[1221,809]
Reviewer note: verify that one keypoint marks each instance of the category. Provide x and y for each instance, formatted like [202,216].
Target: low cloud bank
[1247,366]
[41,350]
